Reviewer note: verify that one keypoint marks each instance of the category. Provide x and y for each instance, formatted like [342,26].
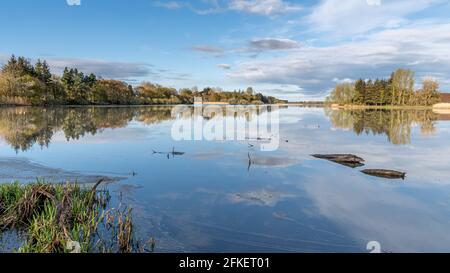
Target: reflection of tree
[153,114]
[395,124]
[247,112]
[23,127]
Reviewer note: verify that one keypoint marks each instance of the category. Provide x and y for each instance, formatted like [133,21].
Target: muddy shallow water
[211,199]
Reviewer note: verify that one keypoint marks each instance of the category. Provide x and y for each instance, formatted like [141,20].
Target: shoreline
[382,107]
[316,105]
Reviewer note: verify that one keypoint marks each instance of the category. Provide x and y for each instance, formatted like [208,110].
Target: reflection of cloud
[128,189]
[108,136]
[211,154]
[268,161]
[262,197]
[373,212]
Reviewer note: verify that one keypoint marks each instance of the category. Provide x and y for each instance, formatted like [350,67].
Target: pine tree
[18,67]
[360,92]
[43,71]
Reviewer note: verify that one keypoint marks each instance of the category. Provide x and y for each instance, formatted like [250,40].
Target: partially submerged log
[173,153]
[348,160]
[389,174]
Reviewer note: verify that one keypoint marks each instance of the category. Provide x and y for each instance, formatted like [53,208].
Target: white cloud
[373,2]
[210,50]
[253,47]
[352,17]
[346,80]
[224,66]
[169,5]
[131,72]
[107,69]
[259,7]
[263,7]
[423,48]
[273,44]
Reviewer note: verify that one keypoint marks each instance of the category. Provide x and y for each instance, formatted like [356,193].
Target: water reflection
[207,200]
[395,124]
[23,127]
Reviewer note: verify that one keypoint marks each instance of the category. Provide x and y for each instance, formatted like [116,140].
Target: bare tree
[430,93]
[403,85]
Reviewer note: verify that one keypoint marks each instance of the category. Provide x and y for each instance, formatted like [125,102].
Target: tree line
[24,83]
[398,90]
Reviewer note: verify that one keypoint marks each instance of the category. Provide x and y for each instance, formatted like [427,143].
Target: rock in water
[348,160]
[389,174]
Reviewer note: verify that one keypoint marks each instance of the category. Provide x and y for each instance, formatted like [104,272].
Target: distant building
[443,108]
[445,97]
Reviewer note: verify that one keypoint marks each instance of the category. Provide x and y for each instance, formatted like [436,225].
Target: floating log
[348,160]
[389,174]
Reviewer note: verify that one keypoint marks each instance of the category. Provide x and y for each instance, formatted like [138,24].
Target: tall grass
[59,218]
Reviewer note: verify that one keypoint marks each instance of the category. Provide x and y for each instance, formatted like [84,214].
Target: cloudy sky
[289,48]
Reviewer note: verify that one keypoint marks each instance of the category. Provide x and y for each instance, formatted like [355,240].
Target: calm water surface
[207,200]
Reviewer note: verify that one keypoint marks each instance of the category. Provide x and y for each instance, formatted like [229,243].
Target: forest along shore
[25,84]
[396,91]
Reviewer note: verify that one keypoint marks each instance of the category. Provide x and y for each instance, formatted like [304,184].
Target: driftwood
[173,153]
[389,174]
[250,162]
[348,160]
[259,139]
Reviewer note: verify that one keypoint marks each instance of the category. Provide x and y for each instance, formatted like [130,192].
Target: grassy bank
[56,218]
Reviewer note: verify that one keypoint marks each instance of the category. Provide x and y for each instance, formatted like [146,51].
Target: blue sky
[292,49]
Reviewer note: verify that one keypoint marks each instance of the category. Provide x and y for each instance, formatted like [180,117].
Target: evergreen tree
[360,92]
[42,71]
[18,67]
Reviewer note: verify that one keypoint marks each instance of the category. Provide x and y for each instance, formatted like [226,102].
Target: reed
[65,218]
